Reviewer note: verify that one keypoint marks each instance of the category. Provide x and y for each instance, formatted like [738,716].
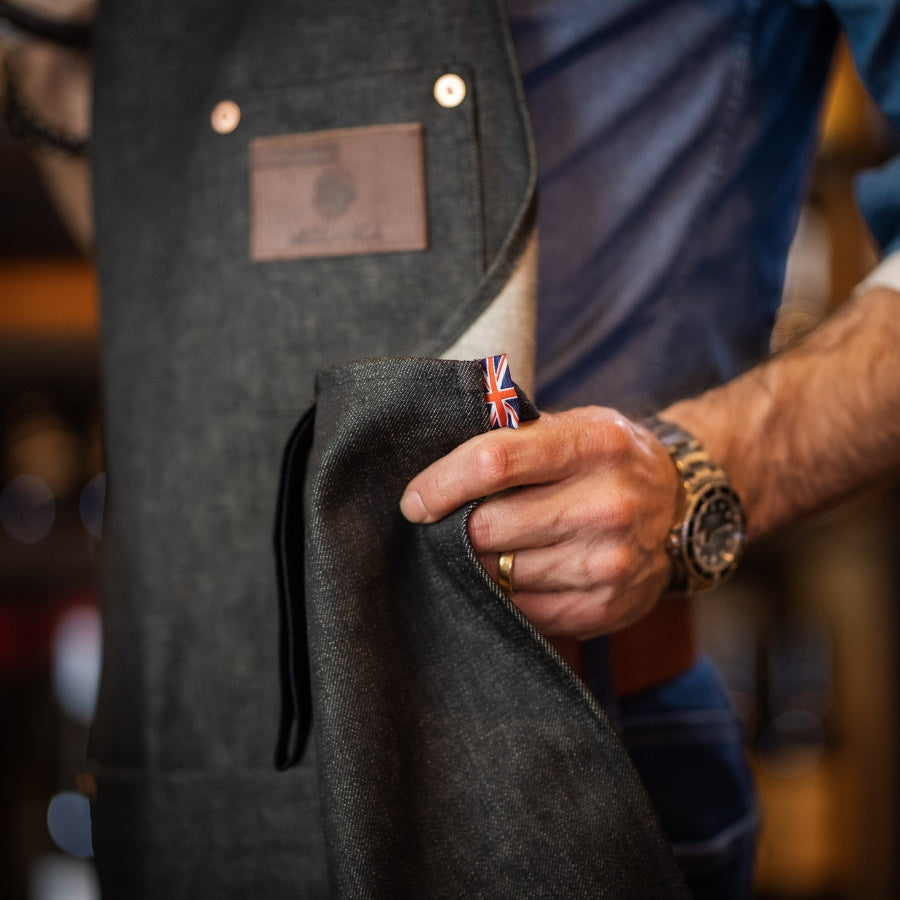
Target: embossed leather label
[337,193]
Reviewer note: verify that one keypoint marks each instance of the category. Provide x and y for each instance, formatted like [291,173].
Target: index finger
[483,465]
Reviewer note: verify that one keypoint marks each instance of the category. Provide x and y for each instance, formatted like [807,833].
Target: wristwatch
[706,544]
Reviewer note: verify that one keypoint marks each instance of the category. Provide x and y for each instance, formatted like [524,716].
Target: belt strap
[654,650]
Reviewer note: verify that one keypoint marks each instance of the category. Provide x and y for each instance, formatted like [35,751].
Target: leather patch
[337,193]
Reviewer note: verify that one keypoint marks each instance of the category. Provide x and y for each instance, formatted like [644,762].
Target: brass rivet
[225,117]
[450,90]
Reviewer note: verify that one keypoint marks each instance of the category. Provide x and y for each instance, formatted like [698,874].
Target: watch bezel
[700,574]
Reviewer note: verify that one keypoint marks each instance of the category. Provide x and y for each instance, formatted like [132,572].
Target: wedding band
[504,570]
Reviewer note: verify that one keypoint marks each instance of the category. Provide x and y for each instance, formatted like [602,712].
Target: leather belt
[653,650]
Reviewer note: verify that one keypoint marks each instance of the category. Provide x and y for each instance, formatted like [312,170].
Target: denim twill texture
[209,360]
[457,755]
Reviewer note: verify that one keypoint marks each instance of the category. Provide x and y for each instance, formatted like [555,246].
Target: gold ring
[504,570]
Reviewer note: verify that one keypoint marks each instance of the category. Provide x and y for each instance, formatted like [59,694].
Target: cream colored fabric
[509,324]
[885,274]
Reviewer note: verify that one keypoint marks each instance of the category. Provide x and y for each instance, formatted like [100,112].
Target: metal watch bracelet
[706,543]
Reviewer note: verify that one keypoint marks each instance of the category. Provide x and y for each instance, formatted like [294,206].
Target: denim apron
[211,340]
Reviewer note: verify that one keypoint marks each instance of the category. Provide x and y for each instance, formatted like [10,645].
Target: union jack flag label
[501,397]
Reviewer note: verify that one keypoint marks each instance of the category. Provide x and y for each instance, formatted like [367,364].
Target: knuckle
[618,563]
[491,460]
[621,511]
[585,441]
[601,433]
[617,435]
[481,528]
[442,489]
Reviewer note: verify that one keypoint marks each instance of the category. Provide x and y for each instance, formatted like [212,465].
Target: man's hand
[585,498]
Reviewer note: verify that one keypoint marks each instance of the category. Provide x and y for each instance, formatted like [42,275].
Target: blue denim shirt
[674,141]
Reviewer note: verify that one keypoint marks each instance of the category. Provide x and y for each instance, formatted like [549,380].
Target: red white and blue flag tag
[501,397]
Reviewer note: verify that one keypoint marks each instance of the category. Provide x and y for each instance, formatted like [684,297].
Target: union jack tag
[501,397]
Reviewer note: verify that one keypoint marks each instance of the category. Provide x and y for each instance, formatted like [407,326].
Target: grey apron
[210,348]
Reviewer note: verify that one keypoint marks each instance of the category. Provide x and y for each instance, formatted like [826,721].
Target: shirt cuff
[885,274]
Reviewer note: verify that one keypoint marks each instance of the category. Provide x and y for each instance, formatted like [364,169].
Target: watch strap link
[693,463]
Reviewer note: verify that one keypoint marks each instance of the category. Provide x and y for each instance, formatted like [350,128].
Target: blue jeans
[687,745]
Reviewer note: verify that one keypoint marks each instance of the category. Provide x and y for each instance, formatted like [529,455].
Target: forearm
[813,424]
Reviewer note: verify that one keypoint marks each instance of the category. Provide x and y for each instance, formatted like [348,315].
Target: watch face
[715,533]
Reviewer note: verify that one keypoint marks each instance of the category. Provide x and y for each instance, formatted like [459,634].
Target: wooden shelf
[54,297]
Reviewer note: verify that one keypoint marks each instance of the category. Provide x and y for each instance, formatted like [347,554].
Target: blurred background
[51,467]
[806,635]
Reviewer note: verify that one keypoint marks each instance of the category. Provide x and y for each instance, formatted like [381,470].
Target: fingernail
[412,507]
